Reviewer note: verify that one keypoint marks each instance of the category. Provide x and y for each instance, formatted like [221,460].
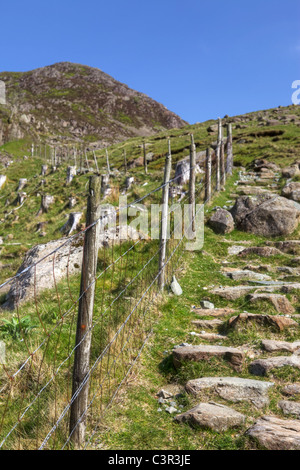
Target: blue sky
[201,59]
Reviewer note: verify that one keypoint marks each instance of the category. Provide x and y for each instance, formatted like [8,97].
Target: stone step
[280,302]
[209,336]
[271,345]
[246,274]
[207,324]
[263,366]
[290,408]
[205,352]
[277,321]
[276,434]
[216,312]
[234,389]
[213,416]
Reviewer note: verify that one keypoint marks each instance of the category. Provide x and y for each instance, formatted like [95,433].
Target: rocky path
[270,291]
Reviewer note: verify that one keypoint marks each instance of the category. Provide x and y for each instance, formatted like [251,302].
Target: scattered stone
[204,352]
[171,410]
[276,434]
[212,415]
[222,221]
[272,345]
[170,391]
[279,322]
[206,305]
[280,302]
[175,287]
[263,366]
[209,336]
[234,389]
[235,250]
[287,246]
[290,408]
[291,390]
[233,293]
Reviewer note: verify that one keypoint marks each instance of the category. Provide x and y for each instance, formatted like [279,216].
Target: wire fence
[54,358]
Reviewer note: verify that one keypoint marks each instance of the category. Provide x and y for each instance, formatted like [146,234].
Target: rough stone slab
[204,352]
[212,415]
[287,246]
[210,336]
[290,408]
[276,434]
[207,324]
[292,389]
[234,389]
[216,312]
[279,322]
[247,274]
[280,302]
[263,366]
[262,251]
[233,293]
[271,345]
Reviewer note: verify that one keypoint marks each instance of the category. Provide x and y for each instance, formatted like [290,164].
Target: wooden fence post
[85,316]
[208,175]
[164,220]
[218,156]
[192,182]
[107,162]
[229,162]
[223,169]
[96,163]
[125,162]
[145,158]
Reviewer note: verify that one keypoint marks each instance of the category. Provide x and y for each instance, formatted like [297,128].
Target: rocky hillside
[71,102]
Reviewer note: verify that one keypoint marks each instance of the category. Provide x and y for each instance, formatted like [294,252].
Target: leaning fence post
[125,162]
[80,386]
[164,220]
[229,163]
[208,175]
[192,182]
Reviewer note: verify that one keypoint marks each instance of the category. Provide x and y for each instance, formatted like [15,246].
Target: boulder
[291,390]
[234,389]
[222,222]
[261,251]
[292,191]
[213,416]
[291,171]
[276,434]
[207,324]
[287,246]
[266,216]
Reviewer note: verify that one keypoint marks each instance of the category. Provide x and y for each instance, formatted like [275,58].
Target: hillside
[68,102]
[238,311]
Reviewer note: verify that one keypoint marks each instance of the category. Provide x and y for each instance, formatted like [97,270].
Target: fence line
[37,397]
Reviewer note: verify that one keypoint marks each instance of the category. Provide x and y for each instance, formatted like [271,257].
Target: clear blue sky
[201,59]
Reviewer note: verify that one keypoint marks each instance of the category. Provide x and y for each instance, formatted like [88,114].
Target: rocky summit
[80,103]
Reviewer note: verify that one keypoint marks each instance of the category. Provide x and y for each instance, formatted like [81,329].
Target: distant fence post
[145,158]
[85,316]
[125,161]
[218,156]
[223,169]
[229,162]
[164,220]
[192,182]
[107,162]
[96,163]
[208,175]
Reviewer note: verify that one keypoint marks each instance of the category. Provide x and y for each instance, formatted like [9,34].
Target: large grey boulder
[233,389]
[212,415]
[222,222]
[265,215]
[276,434]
